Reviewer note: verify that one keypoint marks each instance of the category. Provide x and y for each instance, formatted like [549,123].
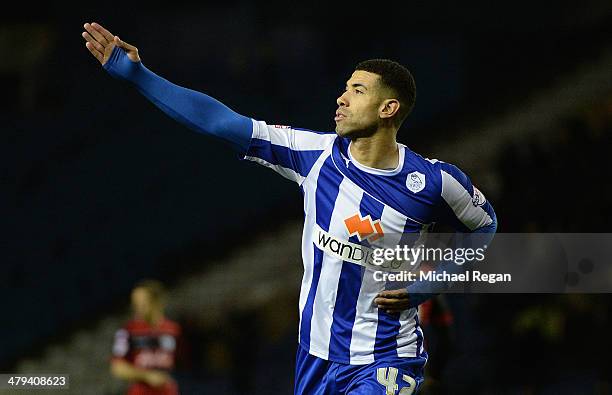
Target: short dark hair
[155,289]
[396,77]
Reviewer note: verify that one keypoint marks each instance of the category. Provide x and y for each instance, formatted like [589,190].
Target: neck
[155,318]
[378,151]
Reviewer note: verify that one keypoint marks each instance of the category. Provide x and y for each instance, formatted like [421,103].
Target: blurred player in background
[357,335]
[144,349]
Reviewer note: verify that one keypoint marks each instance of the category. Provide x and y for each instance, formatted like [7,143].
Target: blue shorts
[392,376]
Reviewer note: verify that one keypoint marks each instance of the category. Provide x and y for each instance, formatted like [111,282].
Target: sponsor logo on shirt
[356,253]
[151,359]
[364,228]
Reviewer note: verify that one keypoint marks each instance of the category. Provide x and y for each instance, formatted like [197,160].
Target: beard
[352,131]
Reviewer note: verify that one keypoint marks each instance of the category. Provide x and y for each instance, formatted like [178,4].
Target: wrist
[142,375]
[120,66]
[416,299]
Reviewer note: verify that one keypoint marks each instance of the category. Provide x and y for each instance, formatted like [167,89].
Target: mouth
[339,116]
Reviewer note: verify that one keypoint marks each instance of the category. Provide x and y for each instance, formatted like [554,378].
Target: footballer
[356,335]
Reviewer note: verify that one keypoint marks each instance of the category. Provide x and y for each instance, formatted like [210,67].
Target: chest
[153,341]
[350,202]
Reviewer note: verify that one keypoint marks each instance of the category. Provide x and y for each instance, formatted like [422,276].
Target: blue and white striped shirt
[347,203]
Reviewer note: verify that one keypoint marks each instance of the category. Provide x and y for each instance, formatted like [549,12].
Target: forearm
[126,371]
[480,238]
[193,109]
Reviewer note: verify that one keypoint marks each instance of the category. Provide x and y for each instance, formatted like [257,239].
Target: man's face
[358,106]
[141,303]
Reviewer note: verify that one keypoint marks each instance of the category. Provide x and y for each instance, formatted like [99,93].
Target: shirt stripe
[327,188]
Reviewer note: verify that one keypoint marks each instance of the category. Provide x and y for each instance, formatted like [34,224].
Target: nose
[341,101]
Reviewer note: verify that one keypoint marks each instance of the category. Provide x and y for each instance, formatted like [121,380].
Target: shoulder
[171,327]
[453,171]
[418,167]
[437,169]
[317,132]
[135,325]
[419,161]
[294,137]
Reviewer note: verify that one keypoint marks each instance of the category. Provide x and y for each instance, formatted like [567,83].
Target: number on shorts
[387,377]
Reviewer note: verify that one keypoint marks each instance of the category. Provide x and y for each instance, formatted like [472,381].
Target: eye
[359,92]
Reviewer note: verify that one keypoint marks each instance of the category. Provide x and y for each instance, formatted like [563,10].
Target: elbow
[492,227]
[233,128]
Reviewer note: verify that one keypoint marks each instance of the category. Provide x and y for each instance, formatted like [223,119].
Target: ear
[389,108]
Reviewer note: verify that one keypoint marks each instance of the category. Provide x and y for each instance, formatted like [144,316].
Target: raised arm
[193,109]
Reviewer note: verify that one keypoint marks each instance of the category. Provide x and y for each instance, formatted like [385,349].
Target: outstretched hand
[100,42]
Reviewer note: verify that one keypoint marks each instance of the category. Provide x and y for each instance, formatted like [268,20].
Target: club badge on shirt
[415,181]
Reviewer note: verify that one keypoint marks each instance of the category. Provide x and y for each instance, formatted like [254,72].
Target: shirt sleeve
[194,109]
[291,152]
[463,206]
[121,344]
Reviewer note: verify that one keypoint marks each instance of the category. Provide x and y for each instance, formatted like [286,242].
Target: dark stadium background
[100,189]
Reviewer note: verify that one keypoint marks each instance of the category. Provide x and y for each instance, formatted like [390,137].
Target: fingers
[95,52]
[394,294]
[394,311]
[393,301]
[393,307]
[96,34]
[93,41]
[107,35]
[383,302]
